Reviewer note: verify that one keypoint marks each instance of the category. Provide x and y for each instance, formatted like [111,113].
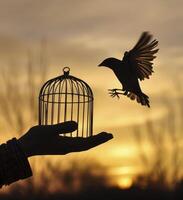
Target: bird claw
[125,93]
[113,93]
[113,90]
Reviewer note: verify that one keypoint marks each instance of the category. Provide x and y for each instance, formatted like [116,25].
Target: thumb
[64,127]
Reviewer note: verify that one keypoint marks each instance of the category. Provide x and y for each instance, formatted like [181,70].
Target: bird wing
[141,56]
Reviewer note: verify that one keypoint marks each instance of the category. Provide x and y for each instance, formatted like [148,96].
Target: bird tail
[141,98]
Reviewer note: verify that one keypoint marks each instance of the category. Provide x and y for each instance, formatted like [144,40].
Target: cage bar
[66,98]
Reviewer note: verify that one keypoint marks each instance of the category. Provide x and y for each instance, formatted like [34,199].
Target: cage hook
[66,71]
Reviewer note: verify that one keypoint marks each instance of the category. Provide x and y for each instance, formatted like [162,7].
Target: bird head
[109,62]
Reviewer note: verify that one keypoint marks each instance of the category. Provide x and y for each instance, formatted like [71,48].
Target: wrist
[26,146]
[14,163]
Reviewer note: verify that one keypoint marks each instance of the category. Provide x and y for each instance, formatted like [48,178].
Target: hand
[46,140]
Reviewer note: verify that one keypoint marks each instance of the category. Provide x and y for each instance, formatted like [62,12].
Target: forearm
[14,164]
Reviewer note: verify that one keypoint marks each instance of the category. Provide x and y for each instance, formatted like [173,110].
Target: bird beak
[100,65]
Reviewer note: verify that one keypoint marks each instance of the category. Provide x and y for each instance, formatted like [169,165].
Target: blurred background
[39,38]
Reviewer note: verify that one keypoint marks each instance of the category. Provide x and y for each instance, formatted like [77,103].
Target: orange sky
[80,34]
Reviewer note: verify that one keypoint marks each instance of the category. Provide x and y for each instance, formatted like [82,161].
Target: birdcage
[66,98]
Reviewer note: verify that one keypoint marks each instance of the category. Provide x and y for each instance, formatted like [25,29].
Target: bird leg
[125,93]
[113,92]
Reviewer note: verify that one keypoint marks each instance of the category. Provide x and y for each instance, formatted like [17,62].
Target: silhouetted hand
[47,140]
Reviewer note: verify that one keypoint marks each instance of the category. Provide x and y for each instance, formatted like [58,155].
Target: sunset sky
[80,34]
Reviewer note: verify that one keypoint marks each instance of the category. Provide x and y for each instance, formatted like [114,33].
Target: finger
[82,144]
[96,140]
[65,127]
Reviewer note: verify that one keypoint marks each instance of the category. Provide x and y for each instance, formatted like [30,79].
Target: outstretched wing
[141,56]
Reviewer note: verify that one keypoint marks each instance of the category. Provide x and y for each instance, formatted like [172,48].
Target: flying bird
[135,65]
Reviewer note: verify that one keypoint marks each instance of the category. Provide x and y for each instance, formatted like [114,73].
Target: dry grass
[164,167]
[18,105]
[19,110]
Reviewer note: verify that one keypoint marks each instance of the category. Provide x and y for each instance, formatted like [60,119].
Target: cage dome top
[66,84]
[65,98]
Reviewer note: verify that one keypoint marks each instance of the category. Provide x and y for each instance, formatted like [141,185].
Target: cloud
[84,17]
[84,32]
